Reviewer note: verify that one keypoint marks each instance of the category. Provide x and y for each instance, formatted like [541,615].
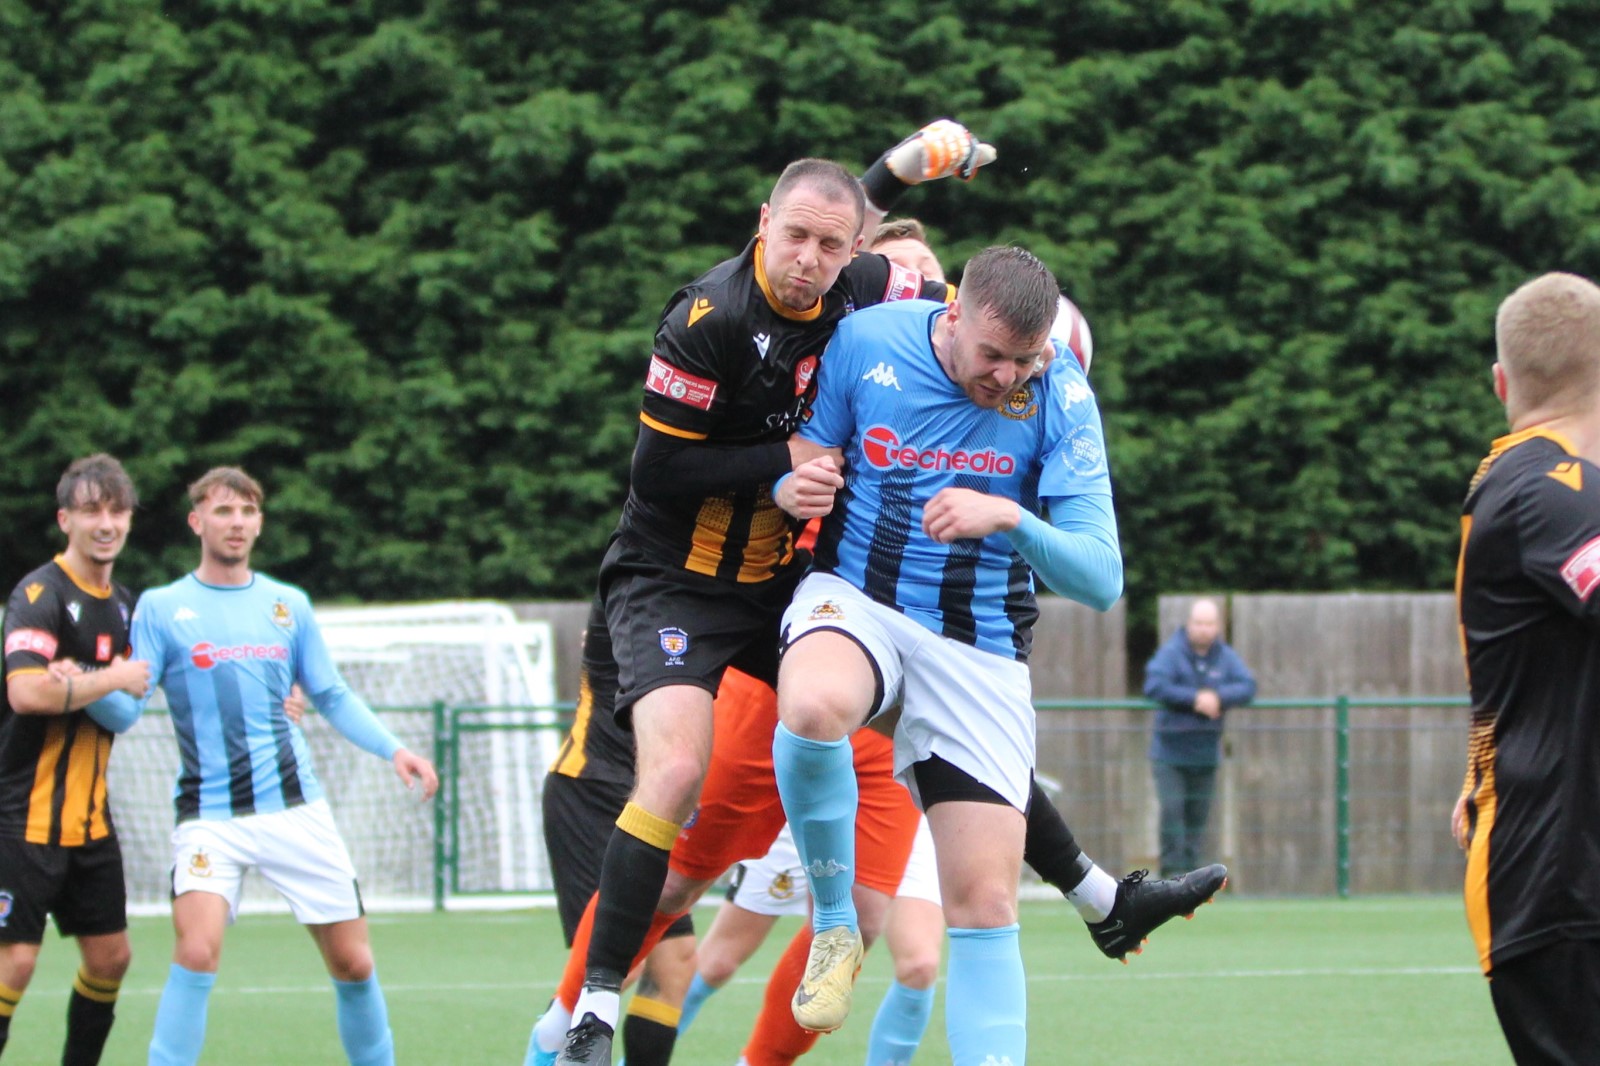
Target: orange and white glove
[937,150]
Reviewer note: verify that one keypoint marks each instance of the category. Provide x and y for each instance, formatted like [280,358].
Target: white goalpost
[404,660]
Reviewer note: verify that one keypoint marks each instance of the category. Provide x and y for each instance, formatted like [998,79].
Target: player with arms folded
[66,641]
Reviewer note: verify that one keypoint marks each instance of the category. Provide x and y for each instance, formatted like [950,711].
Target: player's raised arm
[938,150]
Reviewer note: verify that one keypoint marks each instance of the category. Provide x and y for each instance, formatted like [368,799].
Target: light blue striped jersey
[908,431]
[226,657]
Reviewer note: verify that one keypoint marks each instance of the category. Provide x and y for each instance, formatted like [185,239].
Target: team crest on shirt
[1021,406]
[102,648]
[782,886]
[200,863]
[75,609]
[6,900]
[826,611]
[281,615]
[674,642]
[34,591]
[122,609]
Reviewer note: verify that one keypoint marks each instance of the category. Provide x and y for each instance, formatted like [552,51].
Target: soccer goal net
[418,666]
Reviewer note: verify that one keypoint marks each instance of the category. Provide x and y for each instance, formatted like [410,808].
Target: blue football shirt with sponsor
[907,432]
[226,657]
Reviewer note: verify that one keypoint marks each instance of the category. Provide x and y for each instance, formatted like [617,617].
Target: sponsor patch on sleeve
[1581,571]
[904,283]
[37,641]
[674,384]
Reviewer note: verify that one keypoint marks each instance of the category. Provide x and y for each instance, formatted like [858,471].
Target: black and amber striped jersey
[734,370]
[596,748]
[1528,592]
[53,766]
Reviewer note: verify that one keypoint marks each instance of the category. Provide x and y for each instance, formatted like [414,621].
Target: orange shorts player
[740,813]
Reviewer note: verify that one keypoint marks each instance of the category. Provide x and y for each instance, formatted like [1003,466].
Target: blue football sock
[699,992]
[181,1018]
[364,1022]
[986,980]
[817,780]
[898,1027]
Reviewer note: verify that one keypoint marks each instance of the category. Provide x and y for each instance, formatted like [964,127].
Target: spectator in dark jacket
[1195,677]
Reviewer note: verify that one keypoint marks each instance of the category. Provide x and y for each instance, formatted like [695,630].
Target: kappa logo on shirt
[183,614]
[883,374]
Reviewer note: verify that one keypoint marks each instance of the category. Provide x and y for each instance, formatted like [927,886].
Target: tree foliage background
[402,259]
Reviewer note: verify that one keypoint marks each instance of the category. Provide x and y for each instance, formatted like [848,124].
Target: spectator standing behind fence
[1195,676]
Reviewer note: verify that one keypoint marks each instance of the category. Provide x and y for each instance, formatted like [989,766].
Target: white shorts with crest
[298,851]
[972,708]
[776,885]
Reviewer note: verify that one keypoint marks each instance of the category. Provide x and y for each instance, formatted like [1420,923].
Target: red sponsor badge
[102,648]
[37,641]
[674,384]
[1581,571]
[904,283]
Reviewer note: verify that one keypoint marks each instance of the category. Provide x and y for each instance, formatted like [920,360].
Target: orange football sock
[577,959]
[777,1039]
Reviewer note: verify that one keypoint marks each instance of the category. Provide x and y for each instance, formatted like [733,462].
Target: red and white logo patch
[667,380]
[904,283]
[37,641]
[102,648]
[804,371]
[1581,571]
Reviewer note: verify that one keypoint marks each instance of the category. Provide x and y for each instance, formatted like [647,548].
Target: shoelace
[834,950]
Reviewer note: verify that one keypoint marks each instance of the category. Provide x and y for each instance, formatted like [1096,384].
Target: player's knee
[109,962]
[716,968]
[982,905]
[671,783]
[197,954]
[16,965]
[917,968]
[814,716]
[351,965]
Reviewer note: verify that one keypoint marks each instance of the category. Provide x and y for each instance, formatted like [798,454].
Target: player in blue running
[226,643]
[922,594]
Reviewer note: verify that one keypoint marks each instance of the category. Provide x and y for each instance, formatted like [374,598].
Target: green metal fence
[1337,795]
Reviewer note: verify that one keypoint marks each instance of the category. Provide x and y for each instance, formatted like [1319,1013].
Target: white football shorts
[922,870]
[775,884]
[972,708]
[299,851]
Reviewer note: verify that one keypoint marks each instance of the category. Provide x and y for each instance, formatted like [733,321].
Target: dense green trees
[403,259]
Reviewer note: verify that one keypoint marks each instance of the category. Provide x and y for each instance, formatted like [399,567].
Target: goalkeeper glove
[937,150]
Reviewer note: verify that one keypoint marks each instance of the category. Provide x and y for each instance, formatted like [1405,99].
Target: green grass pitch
[1248,982]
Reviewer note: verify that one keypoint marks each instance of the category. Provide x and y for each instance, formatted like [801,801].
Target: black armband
[883,189]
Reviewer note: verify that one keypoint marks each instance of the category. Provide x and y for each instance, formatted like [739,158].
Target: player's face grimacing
[986,359]
[809,238]
[96,526]
[227,525]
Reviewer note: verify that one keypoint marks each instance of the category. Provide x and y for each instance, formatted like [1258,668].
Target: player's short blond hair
[1547,338]
[226,477]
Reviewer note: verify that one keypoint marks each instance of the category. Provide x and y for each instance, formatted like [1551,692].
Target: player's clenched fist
[809,490]
[938,150]
[962,514]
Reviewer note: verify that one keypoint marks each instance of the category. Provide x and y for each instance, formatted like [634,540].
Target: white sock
[1095,895]
[600,1002]
[551,1028]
